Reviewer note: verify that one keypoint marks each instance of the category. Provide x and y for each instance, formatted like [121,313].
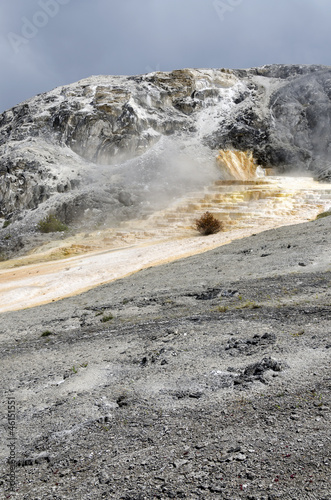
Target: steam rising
[170,169]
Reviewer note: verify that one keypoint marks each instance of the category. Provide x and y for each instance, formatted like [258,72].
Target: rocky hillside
[207,378]
[107,148]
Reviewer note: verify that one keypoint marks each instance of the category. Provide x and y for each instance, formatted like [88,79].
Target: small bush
[323,214]
[107,318]
[47,333]
[208,224]
[248,305]
[6,224]
[50,224]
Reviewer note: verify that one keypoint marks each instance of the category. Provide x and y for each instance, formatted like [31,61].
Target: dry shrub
[208,224]
[324,214]
[50,224]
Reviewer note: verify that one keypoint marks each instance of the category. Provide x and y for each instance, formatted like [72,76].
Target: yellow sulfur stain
[238,165]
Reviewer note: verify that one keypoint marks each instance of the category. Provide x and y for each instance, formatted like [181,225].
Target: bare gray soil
[204,378]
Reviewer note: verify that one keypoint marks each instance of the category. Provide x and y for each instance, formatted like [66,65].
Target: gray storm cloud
[47,43]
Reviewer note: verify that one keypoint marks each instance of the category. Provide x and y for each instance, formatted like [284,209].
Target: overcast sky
[47,43]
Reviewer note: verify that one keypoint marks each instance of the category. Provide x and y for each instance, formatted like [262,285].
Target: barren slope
[204,378]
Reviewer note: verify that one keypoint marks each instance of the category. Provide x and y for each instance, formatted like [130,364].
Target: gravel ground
[204,378]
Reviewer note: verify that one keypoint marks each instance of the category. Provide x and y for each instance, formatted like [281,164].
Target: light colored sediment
[166,236]
[37,284]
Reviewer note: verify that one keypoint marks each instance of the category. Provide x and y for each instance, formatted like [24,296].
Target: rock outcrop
[108,148]
[283,118]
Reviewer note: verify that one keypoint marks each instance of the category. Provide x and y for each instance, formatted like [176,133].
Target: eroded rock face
[284,119]
[53,142]
[76,148]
